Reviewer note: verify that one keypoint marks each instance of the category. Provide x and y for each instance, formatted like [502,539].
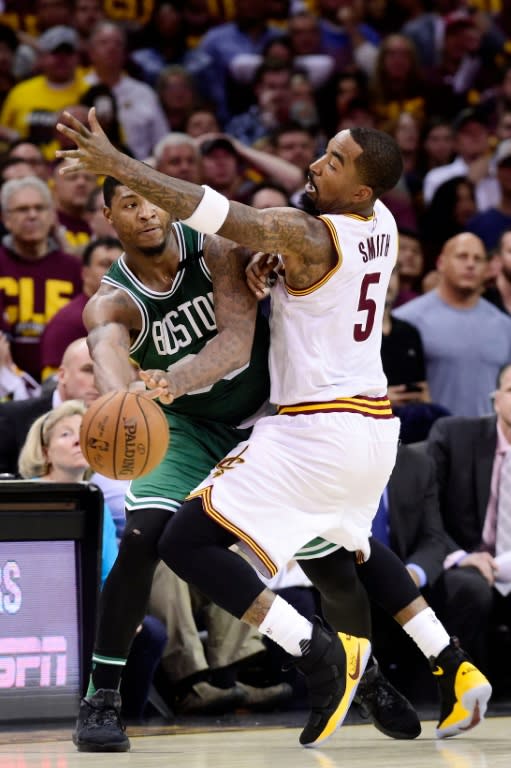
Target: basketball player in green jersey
[174,297]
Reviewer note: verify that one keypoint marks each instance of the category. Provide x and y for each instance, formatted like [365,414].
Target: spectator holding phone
[403,363]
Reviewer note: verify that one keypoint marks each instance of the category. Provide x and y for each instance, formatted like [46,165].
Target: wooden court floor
[353,746]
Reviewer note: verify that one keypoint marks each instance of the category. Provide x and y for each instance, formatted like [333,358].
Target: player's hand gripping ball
[124,435]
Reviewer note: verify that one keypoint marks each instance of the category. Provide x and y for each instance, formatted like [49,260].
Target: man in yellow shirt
[32,106]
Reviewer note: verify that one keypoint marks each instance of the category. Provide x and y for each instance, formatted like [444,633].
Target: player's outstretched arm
[235,317]
[302,239]
[109,316]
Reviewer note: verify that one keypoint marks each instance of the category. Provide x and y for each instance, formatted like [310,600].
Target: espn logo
[22,655]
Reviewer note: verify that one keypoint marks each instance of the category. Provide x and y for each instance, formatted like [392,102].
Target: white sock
[285,626]
[427,632]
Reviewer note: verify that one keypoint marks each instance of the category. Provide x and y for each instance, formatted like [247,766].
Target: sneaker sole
[468,712]
[361,650]
[91,747]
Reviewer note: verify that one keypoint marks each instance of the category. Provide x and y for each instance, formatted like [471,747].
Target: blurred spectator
[31,154]
[161,42]
[222,169]
[499,293]
[36,277]
[427,29]
[305,35]
[489,224]
[295,144]
[8,46]
[86,14]
[406,131]
[410,267]
[248,33]
[14,168]
[268,195]
[31,108]
[200,121]
[357,113]
[14,383]
[67,324]
[177,154]
[74,380]
[452,207]
[178,95]
[503,127]
[466,340]
[335,98]
[471,457]
[459,66]
[345,36]
[471,145]
[104,102]
[272,89]
[71,194]
[404,366]
[100,227]
[397,85]
[257,164]
[437,144]
[300,48]
[140,115]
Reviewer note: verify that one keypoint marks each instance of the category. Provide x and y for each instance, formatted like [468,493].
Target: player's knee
[135,547]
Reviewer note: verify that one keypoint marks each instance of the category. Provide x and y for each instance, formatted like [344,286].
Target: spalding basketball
[124,435]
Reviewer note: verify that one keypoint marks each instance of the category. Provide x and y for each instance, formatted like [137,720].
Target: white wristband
[210,213]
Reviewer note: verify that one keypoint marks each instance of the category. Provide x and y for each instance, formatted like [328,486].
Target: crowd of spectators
[243,96]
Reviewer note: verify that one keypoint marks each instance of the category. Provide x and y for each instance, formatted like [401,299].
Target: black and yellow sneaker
[99,727]
[464,691]
[332,665]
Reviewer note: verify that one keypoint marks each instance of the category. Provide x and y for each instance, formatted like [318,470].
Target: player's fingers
[73,167]
[152,394]
[71,134]
[153,379]
[75,124]
[94,122]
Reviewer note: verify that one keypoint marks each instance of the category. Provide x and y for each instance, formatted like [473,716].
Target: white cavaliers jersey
[326,339]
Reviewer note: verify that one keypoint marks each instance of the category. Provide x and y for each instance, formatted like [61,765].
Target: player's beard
[307,205]
[153,250]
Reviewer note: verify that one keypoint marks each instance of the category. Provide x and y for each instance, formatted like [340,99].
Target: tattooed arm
[303,240]
[235,315]
[110,316]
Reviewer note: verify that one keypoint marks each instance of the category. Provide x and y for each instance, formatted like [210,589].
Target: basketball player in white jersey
[317,469]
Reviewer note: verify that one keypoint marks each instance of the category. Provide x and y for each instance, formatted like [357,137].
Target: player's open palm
[93,147]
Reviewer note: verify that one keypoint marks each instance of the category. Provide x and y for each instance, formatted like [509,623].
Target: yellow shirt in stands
[32,106]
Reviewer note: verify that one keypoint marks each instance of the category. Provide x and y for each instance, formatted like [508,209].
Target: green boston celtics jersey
[178,323]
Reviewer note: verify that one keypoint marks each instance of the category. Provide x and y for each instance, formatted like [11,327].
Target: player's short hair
[380,164]
[109,186]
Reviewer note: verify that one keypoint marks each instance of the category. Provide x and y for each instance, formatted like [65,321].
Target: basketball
[124,435]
